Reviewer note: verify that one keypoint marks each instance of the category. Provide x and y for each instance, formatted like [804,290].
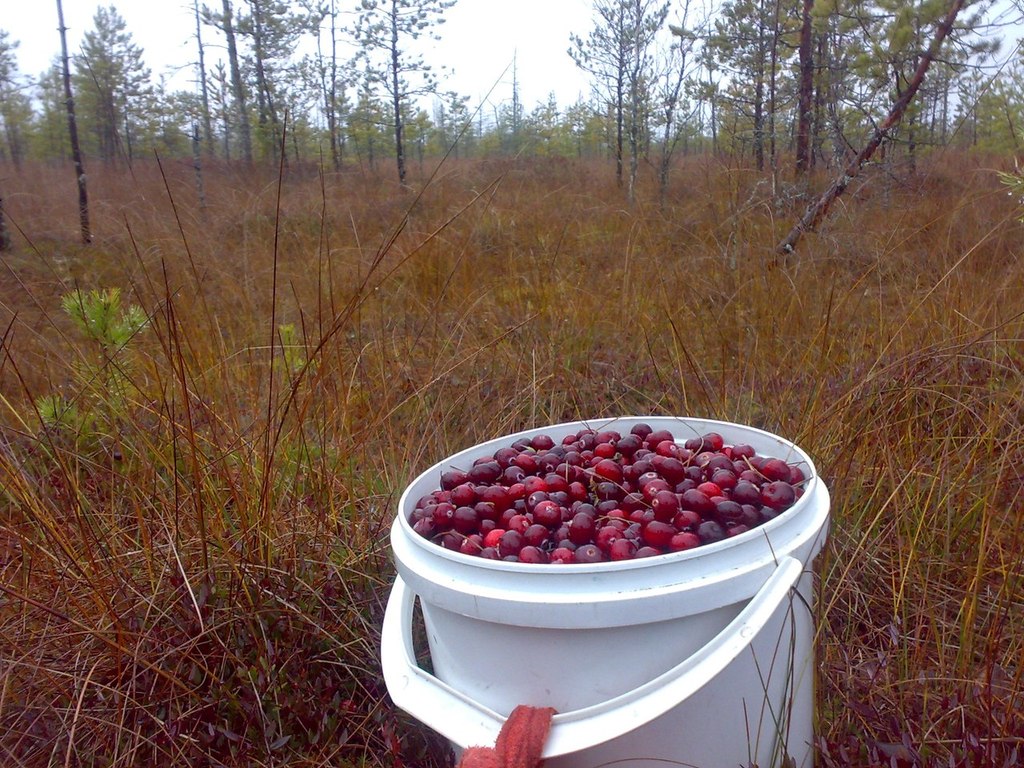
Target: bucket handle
[469,723]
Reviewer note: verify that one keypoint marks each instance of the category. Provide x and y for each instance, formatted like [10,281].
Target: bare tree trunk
[204,89]
[618,125]
[332,109]
[759,67]
[805,93]
[5,236]
[197,166]
[817,210]
[264,96]
[236,83]
[76,150]
[397,96]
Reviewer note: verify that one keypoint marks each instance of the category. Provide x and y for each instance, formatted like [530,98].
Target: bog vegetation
[208,410]
[208,414]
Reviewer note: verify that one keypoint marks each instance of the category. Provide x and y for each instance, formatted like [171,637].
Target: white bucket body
[701,658]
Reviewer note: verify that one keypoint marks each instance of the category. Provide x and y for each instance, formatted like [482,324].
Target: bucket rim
[402,526]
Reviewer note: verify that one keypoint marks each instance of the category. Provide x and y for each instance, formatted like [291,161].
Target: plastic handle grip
[469,723]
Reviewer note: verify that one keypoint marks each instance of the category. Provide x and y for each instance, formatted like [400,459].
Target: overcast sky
[480,38]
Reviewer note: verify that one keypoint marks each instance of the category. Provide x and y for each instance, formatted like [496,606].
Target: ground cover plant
[208,415]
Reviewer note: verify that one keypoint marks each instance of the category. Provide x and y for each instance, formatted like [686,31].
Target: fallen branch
[817,210]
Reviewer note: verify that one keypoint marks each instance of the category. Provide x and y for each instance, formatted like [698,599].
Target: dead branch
[817,210]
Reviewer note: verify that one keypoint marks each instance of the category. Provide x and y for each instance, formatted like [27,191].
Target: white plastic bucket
[699,658]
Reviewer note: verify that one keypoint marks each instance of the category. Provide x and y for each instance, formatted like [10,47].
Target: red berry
[709,489]
[776,469]
[665,505]
[548,513]
[531,554]
[778,495]
[658,534]
[684,540]
[510,543]
[622,549]
[588,553]
[609,469]
[562,556]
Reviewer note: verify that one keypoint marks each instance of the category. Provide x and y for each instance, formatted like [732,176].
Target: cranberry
[697,501]
[496,495]
[453,478]
[641,430]
[425,527]
[622,549]
[588,553]
[443,514]
[665,505]
[472,545]
[658,436]
[562,556]
[451,540]
[684,540]
[608,469]
[606,535]
[519,523]
[542,442]
[484,474]
[776,469]
[536,535]
[709,531]
[629,444]
[746,493]
[724,479]
[658,534]
[687,519]
[609,490]
[667,448]
[709,489]
[728,512]
[510,543]
[581,528]
[548,513]
[742,451]
[713,441]
[526,462]
[465,520]
[778,495]
[531,554]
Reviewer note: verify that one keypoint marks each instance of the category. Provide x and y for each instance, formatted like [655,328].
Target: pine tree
[112,83]
[76,150]
[386,31]
[617,54]
[15,106]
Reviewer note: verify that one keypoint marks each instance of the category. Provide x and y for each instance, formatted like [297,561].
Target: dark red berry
[588,553]
[778,495]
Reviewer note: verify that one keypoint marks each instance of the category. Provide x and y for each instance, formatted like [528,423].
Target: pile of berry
[601,495]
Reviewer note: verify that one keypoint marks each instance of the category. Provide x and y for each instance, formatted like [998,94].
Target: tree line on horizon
[788,84]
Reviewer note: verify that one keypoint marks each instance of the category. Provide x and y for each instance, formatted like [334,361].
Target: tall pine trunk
[332,93]
[805,92]
[76,150]
[204,89]
[5,236]
[397,95]
[236,84]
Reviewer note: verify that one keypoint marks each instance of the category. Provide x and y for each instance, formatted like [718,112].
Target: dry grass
[193,562]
